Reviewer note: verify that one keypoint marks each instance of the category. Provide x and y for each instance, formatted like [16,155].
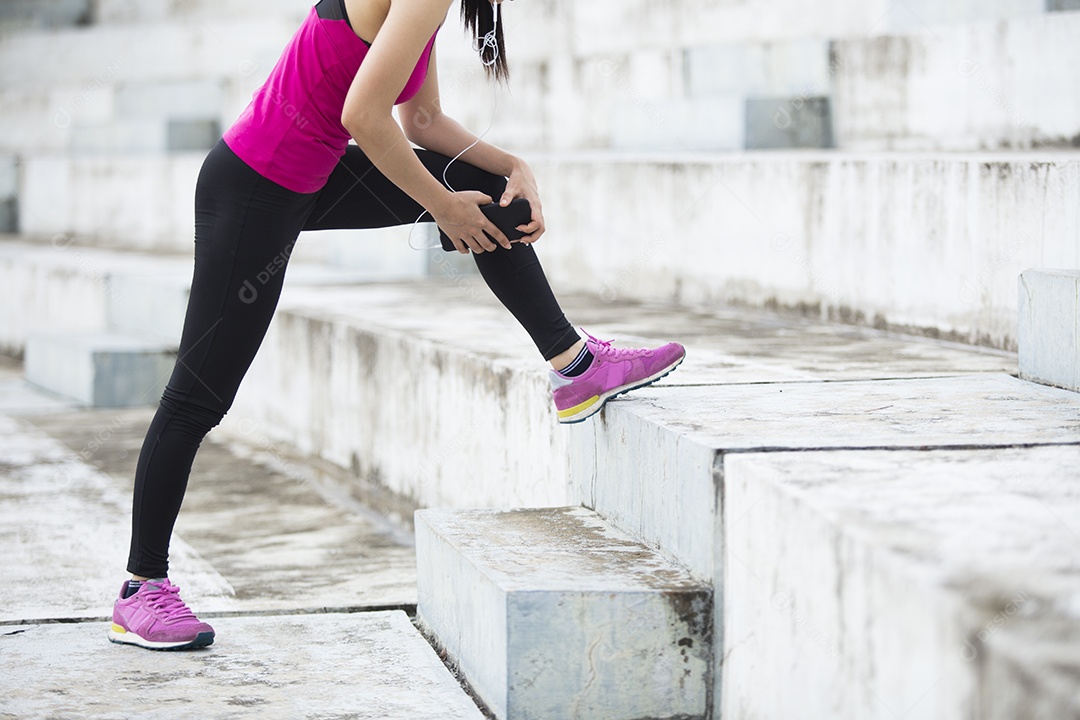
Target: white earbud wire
[488,41]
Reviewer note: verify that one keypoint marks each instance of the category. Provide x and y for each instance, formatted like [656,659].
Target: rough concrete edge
[451,664]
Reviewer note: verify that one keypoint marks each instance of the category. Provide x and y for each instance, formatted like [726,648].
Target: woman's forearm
[385,144]
[443,134]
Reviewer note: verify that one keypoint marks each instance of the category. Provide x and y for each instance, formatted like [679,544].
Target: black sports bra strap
[332,10]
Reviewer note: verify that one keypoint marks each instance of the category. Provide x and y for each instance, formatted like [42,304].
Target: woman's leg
[245,227]
[358,196]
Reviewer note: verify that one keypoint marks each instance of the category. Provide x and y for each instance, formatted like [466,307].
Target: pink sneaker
[156,618]
[613,371]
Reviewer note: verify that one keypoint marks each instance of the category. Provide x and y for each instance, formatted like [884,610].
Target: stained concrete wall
[928,243]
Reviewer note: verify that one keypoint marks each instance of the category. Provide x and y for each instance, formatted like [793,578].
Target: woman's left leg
[358,195]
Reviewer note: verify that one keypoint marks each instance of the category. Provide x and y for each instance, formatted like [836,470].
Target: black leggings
[245,228]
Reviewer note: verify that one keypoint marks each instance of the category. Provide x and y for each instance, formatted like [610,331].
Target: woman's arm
[367,115]
[425,124]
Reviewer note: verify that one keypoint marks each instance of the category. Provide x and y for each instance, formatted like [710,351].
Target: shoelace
[165,598]
[605,349]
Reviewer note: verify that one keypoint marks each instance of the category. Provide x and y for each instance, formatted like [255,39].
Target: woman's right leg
[245,227]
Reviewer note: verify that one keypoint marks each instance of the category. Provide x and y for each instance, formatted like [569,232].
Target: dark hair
[477,17]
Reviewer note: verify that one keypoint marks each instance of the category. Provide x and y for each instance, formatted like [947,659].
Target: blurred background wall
[887,163]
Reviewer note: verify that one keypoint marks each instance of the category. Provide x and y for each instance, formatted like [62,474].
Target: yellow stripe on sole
[578,408]
[117,629]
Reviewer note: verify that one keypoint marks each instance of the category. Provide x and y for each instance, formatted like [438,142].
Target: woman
[286,166]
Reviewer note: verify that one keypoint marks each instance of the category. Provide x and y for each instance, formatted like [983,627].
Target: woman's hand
[522,184]
[463,222]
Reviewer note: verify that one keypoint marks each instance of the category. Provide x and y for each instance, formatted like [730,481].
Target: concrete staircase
[807,519]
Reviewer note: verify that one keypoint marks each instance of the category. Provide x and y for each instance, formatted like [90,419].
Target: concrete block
[9,191]
[1049,332]
[150,303]
[367,666]
[884,240]
[19,14]
[56,287]
[96,59]
[143,135]
[552,613]
[34,121]
[360,348]
[655,463]
[793,68]
[180,100]
[869,584]
[709,123]
[979,86]
[100,370]
[134,201]
[9,215]
[189,135]
[667,499]
[126,12]
[478,431]
[9,176]
[783,123]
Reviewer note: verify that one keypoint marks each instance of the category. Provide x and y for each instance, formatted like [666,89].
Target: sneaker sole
[615,392]
[125,637]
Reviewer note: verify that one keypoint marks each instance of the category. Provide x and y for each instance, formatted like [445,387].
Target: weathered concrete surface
[265,545]
[342,376]
[555,614]
[654,461]
[62,517]
[970,86]
[1050,327]
[367,666]
[19,397]
[55,284]
[879,584]
[260,530]
[885,238]
[100,369]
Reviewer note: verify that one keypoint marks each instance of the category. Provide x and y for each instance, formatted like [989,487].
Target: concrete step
[100,369]
[552,613]
[57,285]
[144,202]
[369,666]
[341,369]
[657,466]
[261,533]
[1049,329]
[819,232]
[876,75]
[973,87]
[881,584]
[883,239]
[666,492]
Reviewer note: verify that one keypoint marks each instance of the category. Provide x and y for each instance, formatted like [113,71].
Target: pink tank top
[291,132]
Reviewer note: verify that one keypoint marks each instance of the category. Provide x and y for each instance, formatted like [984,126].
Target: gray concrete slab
[1049,327]
[63,518]
[364,666]
[553,613]
[984,410]
[20,397]
[941,583]
[724,345]
[258,532]
[653,461]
